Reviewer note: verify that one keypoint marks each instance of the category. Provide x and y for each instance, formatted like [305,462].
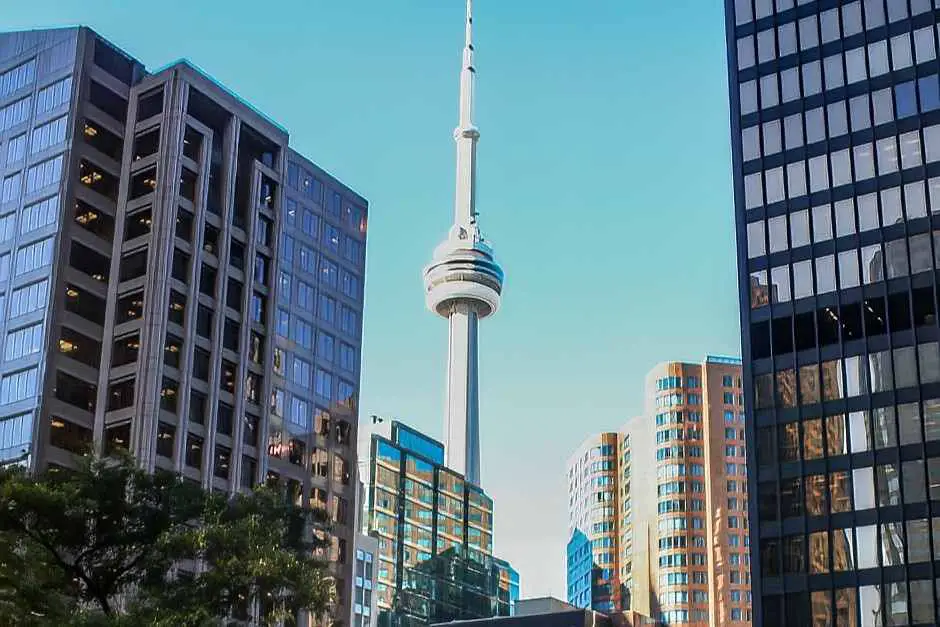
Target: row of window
[777,43]
[821,552]
[305,294]
[17,77]
[15,113]
[39,176]
[862,376]
[881,486]
[860,214]
[897,603]
[833,120]
[878,263]
[329,272]
[54,95]
[847,166]
[874,10]
[857,432]
[835,74]
[312,189]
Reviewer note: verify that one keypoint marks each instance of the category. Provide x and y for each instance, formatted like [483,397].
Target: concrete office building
[835,120]
[435,534]
[153,228]
[660,507]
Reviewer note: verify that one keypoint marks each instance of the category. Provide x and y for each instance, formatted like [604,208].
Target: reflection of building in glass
[176,280]
[836,137]
[435,536]
[658,512]
[508,584]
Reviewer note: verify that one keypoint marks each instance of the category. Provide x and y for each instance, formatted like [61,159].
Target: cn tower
[463,283]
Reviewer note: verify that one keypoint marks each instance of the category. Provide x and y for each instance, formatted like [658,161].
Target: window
[67,435]
[82,258]
[169,395]
[257,308]
[300,372]
[350,285]
[329,273]
[347,357]
[227,381]
[22,342]
[207,276]
[327,309]
[133,265]
[231,333]
[305,296]
[36,255]
[146,143]
[125,349]
[325,344]
[82,303]
[223,461]
[130,307]
[53,96]
[201,364]
[29,298]
[92,176]
[14,113]
[303,333]
[18,386]
[349,321]
[194,446]
[47,135]
[39,214]
[172,350]
[261,269]
[197,407]
[166,434]
[323,384]
[120,394]
[225,419]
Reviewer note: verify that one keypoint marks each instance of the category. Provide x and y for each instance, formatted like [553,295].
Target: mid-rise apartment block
[174,280]
[658,510]
[592,573]
[365,602]
[835,120]
[435,536]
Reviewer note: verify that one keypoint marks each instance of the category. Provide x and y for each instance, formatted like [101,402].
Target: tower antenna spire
[466,134]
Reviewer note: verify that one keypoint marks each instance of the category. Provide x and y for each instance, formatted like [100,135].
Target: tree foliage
[110,544]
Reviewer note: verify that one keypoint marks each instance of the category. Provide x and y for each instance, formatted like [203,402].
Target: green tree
[110,544]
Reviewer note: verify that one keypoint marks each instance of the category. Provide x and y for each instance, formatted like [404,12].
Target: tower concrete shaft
[462,421]
[464,283]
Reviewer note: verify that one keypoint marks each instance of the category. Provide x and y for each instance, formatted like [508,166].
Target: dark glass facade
[435,534]
[835,116]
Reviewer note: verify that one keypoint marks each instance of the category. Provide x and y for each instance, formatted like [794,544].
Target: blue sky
[604,186]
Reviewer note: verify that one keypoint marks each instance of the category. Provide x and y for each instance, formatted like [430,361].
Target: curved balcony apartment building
[658,511]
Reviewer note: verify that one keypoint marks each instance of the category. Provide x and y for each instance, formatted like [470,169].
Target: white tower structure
[463,283]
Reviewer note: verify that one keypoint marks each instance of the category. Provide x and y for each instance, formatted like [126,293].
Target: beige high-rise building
[677,486]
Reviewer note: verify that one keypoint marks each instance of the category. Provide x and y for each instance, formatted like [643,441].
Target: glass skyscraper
[174,280]
[835,117]
[435,535]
